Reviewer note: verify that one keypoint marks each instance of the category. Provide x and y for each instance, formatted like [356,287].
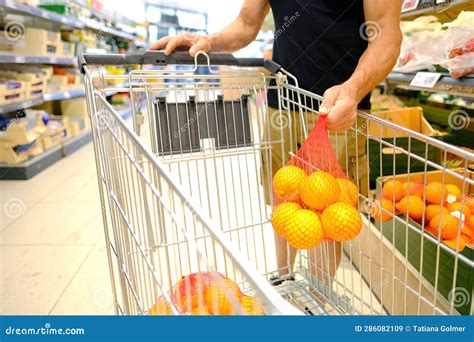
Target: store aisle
[53,258]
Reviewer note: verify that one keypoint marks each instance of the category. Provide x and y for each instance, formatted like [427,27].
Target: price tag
[53,60]
[67,95]
[409,5]
[19,59]
[425,79]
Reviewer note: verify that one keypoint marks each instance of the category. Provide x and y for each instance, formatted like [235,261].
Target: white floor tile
[90,291]
[56,223]
[32,278]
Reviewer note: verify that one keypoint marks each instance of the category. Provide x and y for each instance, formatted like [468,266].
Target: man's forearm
[235,36]
[374,65]
[243,30]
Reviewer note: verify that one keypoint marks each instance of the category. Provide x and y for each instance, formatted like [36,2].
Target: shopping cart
[185,188]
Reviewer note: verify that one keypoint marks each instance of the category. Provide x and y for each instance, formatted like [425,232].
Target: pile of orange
[204,294]
[443,209]
[314,207]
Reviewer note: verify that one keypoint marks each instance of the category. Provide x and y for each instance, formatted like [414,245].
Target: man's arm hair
[243,30]
[385,38]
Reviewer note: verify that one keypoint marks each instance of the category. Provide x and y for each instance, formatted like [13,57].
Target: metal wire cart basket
[183,190]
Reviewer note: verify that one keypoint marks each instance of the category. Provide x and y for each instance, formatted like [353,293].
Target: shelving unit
[61,19]
[35,165]
[446,84]
[446,11]
[7,58]
[32,167]
[14,107]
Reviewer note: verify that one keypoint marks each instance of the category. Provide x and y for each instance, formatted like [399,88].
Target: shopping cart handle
[177,58]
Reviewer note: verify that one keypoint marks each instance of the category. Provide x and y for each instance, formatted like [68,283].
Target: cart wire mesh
[185,188]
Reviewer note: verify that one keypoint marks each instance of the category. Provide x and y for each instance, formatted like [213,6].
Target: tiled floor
[52,251]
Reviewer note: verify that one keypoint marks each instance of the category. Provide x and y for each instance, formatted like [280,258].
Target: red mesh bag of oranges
[313,199]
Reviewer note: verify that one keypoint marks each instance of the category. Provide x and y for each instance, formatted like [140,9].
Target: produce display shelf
[445,11]
[32,167]
[61,19]
[8,58]
[463,86]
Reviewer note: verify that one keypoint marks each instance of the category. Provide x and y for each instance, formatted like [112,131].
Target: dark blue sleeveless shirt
[318,41]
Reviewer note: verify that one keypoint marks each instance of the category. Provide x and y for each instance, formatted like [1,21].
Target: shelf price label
[425,79]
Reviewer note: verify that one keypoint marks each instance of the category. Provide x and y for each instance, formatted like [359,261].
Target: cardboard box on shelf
[67,49]
[57,131]
[74,107]
[407,239]
[78,125]
[384,159]
[22,132]
[12,98]
[11,91]
[38,41]
[11,154]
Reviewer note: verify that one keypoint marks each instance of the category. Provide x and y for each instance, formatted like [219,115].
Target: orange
[304,230]
[160,308]
[454,193]
[252,306]
[469,201]
[412,206]
[458,206]
[380,215]
[434,193]
[341,222]
[412,188]
[222,296]
[434,209]
[469,222]
[453,243]
[200,310]
[393,189]
[188,292]
[449,226]
[282,215]
[468,234]
[319,190]
[431,231]
[287,181]
[349,192]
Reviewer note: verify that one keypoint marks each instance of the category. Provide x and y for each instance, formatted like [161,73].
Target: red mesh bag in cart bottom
[314,200]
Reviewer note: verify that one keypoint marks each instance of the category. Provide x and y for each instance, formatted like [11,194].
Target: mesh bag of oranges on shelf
[441,208]
[313,199]
[204,294]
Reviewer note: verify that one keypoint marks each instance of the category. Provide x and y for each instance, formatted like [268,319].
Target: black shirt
[318,41]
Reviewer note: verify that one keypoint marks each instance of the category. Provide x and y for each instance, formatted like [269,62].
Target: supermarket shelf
[41,13]
[61,19]
[463,86]
[32,167]
[20,105]
[27,59]
[63,95]
[446,11]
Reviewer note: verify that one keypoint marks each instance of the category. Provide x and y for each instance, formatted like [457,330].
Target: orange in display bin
[382,157]
[404,235]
